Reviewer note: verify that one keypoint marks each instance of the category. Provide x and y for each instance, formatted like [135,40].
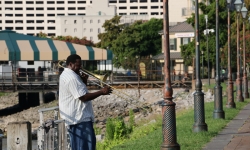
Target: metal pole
[246,93]
[208,67]
[230,86]
[218,106]
[199,114]
[168,106]
[238,80]
[202,65]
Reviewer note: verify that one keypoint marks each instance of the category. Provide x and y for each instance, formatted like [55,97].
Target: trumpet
[102,79]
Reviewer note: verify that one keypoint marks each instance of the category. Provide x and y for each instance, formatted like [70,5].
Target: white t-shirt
[71,108]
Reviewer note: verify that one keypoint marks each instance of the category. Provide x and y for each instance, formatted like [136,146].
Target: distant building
[90,26]
[31,17]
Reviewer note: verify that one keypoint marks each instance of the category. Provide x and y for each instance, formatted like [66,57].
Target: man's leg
[82,136]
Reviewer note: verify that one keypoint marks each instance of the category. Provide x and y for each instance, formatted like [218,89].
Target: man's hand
[84,77]
[106,90]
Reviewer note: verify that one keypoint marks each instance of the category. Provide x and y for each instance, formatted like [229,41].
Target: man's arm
[91,96]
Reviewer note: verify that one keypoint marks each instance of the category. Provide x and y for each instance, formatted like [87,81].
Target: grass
[150,137]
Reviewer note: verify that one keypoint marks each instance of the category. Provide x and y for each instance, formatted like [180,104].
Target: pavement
[235,136]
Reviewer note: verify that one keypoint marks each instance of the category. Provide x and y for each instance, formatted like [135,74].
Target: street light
[244,15]
[218,106]
[168,106]
[206,32]
[230,85]
[238,5]
[151,72]
[199,111]
[138,74]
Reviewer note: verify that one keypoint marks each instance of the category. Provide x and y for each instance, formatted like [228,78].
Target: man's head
[74,62]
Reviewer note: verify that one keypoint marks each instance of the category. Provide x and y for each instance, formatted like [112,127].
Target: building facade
[31,17]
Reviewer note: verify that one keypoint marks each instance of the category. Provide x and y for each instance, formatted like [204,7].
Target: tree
[130,40]
[112,29]
[188,50]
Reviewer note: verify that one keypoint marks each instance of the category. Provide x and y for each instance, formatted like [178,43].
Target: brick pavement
[235,136]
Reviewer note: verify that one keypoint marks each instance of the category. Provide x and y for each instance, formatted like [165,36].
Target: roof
[173,55]
[180,27]
[16,47]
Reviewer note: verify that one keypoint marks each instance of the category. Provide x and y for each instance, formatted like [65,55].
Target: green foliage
[137,39]
[131,120]
[187,139]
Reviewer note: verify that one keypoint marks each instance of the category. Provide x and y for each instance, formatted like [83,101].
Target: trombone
[101,78]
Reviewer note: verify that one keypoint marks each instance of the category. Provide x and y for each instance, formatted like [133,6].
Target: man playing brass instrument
[75,105]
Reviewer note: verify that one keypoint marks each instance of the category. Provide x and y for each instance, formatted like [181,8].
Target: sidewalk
[235,136]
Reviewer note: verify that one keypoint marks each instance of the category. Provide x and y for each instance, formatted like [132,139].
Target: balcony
[187,11]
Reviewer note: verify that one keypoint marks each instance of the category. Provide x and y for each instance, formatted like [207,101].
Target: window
[75,21]
[51,21]
[18,2]
[18,8]
[19,28]
[50,2]
[29,21]
[80,14]
[65,21]
[51,28]
[8,28]
[71,8]
[40,28]
[19,21]
[91,21]
[81,2]
[8,2]
[39,21]
[154,7]
[122,7]
[99,21]
[30,15]
[39,8]
[30,28]
[65,30]
[51,8]
[84,30]
[39,2]
[172,43]
[29,8]
[81,8]
[99,30]
[60,14]
[91,38]
[60,2]
[71,2]
[8,8]
[91,30]
[143,7]
[185,40]
[39,15]
[30,62]
[84,21]
[133,7]
[50,15]
[8,21]
[71,14]
[29,2]
[18,15]
[60,8]
[75,30]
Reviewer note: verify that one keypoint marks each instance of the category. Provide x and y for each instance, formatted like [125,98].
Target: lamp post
[218,106]
[238,5]
[151,72]
[202,65]
[138,74]
[168,106]
[230,85]
[206,32]
[244,15]
[199,114]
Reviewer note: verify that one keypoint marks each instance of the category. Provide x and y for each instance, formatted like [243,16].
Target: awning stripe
[17,52]
[44,50]
[10,50]
[27,52]
[54,50]
[4,51]
[82,51]
[35,49]
[71,48]
[91,53]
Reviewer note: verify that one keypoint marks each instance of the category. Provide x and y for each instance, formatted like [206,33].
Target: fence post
[1,138]
[19,136]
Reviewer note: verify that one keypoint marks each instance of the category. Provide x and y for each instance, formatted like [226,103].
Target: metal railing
[52,133]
